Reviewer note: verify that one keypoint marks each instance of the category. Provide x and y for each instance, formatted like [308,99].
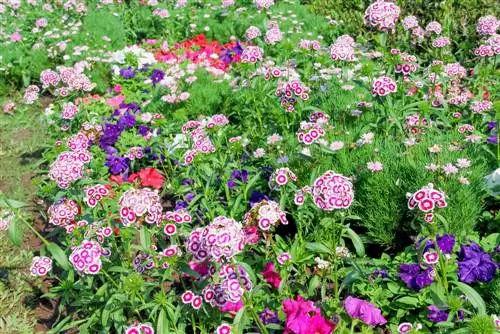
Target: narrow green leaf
[58,255]
[15,233]
[474,298]
[356,241]
[318,247]
[145,237]
[162,325]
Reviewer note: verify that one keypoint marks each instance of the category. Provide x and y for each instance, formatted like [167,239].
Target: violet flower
[364,311]
[116,164]
[414,276]
[127,73]
[436,315]
[475,265]
[157,76]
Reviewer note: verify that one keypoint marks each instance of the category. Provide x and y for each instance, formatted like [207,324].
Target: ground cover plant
[255,166]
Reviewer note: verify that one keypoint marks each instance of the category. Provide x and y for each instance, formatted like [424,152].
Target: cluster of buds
[95,193]
[222,239]
[40,266]
[332,191]
[288,92]
[86,258]
[310,132]
[63,213]
[252,32]
[280,177]
[343,49]
[427,199]
[140,203]
[382,15]
[383,86]
[265,214]
[231,288]
[69,167]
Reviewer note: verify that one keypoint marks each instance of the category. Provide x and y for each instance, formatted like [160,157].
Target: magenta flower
[364,311]
[271,275]
[302,317]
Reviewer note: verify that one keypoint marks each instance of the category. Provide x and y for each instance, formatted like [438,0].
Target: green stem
[39,236]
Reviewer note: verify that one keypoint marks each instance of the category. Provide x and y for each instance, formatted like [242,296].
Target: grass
[21,135]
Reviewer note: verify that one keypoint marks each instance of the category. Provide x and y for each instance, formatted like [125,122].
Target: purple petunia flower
[257,197]
[445,243]
[493,139]
[237,175]
[116,164]
[143,130]
[157,76]
[269,317]
[475,265]
[127,73]
[414,276]
[126,121]
[436,315]
[110,135]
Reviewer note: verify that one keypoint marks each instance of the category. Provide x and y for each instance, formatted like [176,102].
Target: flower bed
[279,180]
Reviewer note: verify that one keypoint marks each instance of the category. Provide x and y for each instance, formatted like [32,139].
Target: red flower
[271,276]
[150,177]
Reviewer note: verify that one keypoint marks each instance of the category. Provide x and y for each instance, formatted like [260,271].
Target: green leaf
[314,283]
[145,237]
[408,300]
[162,325]
[318,247]
[15,233]
[239,320]
[58,255]
[356,241]
[474,298]
[11,203]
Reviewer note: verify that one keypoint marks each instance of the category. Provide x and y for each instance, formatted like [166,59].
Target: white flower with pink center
[137,205]
[332,191]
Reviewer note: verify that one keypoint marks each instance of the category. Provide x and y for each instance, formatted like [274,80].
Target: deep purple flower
[237,175]
[126,121]
[492,125]
[380,273]
[475,265]
[157,76]
[414,276]
[190,197]
[436,315]
[143,130]
[269,317]
[127,73]
[116,164]
[445,243]
[180,205]
[257,197]
[130,107]
[492,139]
[187,182]
[110,135]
